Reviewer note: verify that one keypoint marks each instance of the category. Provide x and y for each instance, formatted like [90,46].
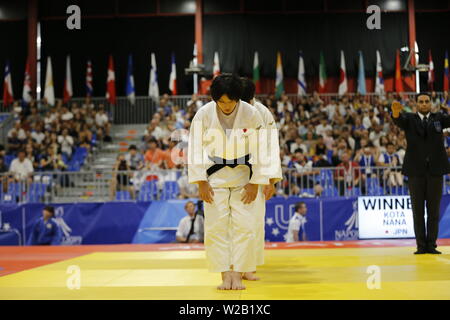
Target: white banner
[385,217]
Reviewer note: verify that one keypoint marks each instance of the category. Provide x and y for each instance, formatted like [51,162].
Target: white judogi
[274,153]
[229,223]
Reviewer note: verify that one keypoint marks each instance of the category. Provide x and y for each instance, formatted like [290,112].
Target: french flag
[173,77]
[89,86]
[7,86]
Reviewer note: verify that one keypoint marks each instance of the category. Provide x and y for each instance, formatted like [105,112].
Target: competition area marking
[378,269]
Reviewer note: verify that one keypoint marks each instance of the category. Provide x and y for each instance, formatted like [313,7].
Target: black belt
[220,163]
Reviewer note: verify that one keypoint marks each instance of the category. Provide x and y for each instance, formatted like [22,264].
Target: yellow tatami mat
[343,273]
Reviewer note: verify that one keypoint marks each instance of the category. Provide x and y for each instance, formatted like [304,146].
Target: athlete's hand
[205,191]
[268,191]
[250,193]
[396,108]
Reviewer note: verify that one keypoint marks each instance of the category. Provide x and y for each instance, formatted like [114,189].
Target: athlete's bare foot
[226,281]
[236,281]
[250,276]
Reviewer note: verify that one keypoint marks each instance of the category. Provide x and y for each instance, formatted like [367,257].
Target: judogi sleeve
[196,166]
[275,161]
[259,172]
[57,236]
[33,237]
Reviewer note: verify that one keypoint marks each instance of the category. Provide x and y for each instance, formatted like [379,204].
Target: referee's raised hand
[396,108]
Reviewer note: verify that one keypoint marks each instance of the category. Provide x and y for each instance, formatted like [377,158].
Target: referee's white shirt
[185,226]
[295,223]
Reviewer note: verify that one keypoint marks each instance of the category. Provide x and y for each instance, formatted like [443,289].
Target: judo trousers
[230,237]
[260,211]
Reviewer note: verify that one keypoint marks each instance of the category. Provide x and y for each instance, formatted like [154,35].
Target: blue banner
[81,223]
[160,221]
[332,219]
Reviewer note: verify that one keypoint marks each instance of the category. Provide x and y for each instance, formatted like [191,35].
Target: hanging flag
[68,92]
[301,82]
[111,82]
[49,92]
[446,73]
[256,79]
[8,97]
[153,88]
[343,87]
[322,74]
[361,75]
[129,90]
[379,81]
[173,77]
[279,88]
[89,86]
[195,75]
[398,74]
[216,66]
[430,72]
[26,92]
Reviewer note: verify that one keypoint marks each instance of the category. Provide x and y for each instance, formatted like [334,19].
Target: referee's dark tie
[425,125]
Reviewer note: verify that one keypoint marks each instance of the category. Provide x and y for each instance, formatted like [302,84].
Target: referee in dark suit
[425,163]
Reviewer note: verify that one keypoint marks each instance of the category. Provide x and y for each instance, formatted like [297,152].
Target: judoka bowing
[223,160]
[275,174]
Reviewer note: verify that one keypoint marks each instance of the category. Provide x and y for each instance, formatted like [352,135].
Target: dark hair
[423,94]
[50,209]
[132,147]
[228,84]
[248,90]
[298,205]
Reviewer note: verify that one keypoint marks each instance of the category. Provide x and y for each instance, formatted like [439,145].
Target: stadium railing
[102,186]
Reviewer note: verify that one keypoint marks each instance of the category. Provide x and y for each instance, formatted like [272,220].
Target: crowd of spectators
[43,138]
[354,134]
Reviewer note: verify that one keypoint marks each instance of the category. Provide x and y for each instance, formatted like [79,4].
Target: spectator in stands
[347,174]
[66,115]
[66,143]
[195,102]
[154,155]
[390,160]
[134,159]
[103,125]
[14,143]
[46,231]
[297,224]
[304,173]
[38,135]
[30,154]
[21,135]
[121,178]
[284,104]
[323,127]
[191,228]
[85,137]
[21,168]
[87,103]
[3,175]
